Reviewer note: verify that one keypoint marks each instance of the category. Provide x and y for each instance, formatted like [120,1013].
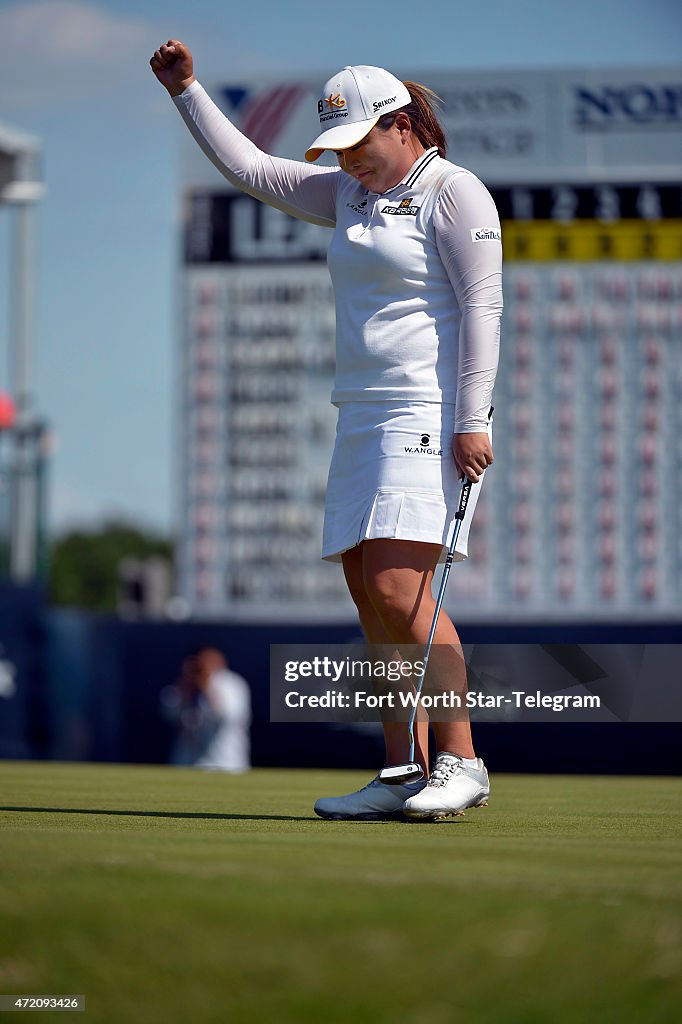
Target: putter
[398,775]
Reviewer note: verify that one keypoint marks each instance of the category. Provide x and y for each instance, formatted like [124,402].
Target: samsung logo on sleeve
[486,235]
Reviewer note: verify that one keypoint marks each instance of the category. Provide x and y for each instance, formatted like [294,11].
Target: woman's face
[381,159]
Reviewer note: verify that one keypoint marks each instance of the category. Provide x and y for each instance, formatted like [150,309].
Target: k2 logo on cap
[332,102]
[486,234]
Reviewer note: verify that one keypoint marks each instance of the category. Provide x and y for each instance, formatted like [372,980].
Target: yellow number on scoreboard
[592,240]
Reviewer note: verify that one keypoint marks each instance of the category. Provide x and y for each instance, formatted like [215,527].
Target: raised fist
[172,65]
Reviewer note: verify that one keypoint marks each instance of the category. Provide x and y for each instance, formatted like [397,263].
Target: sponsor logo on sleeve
[486,234]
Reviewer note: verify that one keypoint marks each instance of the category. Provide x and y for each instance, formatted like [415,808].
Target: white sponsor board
[507,126]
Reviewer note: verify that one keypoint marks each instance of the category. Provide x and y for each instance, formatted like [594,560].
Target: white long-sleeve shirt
[416,270]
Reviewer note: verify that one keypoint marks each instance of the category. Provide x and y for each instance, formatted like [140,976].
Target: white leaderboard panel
[582,512]
[259,432]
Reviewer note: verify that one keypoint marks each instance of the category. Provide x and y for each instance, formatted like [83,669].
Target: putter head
[399,774]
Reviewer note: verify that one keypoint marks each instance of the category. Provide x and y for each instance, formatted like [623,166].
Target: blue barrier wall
[23,724]
[88,686]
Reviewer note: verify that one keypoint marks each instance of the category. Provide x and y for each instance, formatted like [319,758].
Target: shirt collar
[417,169]
[419,165]
[413,173]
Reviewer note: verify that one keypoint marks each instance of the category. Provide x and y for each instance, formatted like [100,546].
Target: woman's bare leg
[395,733]
[397,578]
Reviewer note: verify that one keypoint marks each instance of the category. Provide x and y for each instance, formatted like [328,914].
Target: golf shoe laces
[446,765]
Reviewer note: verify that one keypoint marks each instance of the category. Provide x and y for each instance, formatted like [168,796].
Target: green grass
[166,895]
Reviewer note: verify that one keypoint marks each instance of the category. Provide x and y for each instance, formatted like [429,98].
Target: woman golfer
[416,264]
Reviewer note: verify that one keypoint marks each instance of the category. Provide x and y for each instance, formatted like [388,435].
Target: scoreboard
[581,515]
[592,222]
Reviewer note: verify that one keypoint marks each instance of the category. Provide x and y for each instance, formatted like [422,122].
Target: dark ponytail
[422,114]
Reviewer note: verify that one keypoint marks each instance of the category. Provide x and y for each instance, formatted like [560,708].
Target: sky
[75,74]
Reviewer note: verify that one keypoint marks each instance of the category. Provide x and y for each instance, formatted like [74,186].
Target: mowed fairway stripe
[171,895]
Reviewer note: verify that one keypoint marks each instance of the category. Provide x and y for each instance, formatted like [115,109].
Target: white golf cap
[352,102]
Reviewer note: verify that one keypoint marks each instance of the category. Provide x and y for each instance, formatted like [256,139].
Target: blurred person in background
[211,707]
[416,264]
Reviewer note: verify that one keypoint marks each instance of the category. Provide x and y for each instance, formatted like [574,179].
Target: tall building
[581,515]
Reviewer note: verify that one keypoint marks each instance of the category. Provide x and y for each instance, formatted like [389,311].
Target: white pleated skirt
[393,475]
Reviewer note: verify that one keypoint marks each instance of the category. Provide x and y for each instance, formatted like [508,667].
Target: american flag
[263,115]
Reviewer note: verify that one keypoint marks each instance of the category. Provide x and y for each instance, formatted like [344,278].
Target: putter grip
[463,500]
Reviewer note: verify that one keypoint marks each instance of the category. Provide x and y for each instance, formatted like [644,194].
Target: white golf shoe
[452,787]
[374,802]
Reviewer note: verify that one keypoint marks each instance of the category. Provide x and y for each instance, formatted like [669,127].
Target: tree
[84,564]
